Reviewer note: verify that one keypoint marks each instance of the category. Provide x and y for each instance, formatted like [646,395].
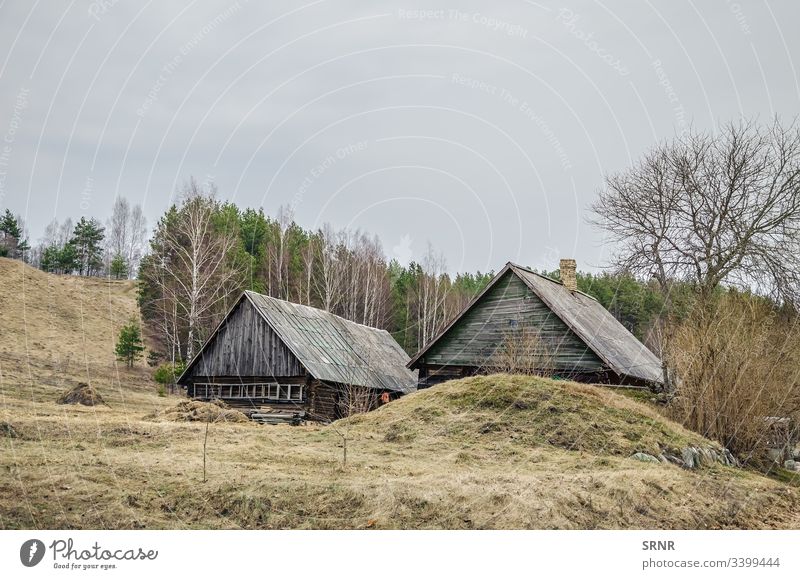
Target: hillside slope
[484,452]
[62,316]
[59,330]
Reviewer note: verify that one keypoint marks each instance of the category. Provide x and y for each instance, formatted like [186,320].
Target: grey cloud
[487,131]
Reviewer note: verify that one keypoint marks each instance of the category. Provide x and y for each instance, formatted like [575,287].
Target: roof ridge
[317,310]
[550,279]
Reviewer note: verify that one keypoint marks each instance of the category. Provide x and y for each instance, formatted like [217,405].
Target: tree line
[204,252]
[86,248]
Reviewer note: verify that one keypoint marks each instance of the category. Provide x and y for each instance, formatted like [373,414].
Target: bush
[168,373]
[738,369]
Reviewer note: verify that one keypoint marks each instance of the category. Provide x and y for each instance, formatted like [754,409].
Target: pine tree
[86,239]
[67,259]
[119,267]
[12,243]
[129,345]
[49,261]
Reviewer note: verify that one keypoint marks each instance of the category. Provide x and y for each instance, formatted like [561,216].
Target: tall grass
[738,366]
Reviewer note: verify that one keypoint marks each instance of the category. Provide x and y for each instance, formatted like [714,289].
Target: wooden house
[570,334]
[290,357]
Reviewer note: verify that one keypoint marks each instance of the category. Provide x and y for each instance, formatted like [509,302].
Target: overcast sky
[485,129]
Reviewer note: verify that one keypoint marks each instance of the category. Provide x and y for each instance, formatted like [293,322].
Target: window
[286,392]
[268,390]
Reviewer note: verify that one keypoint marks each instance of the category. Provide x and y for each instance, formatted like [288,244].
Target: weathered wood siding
[322,401]
[509,305]
[246,346]
[328,402]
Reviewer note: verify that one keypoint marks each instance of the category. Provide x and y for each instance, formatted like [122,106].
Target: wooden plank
[510,304]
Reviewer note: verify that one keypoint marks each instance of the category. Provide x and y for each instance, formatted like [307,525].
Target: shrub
[522,351]
[738,368]
[168,373]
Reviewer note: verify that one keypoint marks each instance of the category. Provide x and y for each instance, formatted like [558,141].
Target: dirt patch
[196,411]
[81,394]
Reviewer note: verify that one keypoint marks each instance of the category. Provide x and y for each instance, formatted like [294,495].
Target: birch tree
[191,268]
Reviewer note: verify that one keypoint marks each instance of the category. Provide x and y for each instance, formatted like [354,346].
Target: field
[488,452]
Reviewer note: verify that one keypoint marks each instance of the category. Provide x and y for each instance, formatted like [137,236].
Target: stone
[674,460]
[775,454]
[644,457]
[791,465]
[691,457]
[706,457]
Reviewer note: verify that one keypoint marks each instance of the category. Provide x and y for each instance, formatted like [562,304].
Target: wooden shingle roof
[337,350]
[620,350]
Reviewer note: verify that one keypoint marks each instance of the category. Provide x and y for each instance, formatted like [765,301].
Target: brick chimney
[568,267]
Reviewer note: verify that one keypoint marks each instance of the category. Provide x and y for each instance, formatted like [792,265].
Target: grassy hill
[484,452]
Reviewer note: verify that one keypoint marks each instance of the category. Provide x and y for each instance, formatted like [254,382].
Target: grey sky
[485,129]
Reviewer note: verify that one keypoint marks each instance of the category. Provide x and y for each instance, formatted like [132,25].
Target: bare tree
[118,227]
[308,255]
[712,209]
[432,295]
[279,254]
[126,234]
[329,281]
[57,235]
[137,238]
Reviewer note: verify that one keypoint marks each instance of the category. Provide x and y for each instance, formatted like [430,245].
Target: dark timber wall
[509,305]
[330,401]
[246,346]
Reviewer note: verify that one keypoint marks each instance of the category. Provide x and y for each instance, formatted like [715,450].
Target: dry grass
[492,452]
[66,320]
[196,411]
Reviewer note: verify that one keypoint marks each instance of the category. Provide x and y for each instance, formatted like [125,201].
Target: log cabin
[281,357]
[543,326]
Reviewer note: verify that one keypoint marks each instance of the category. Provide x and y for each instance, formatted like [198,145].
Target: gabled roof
[333,349]
[587,318]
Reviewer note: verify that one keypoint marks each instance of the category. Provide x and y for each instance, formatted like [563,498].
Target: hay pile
[7,430]
[81,394]
[196,411]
